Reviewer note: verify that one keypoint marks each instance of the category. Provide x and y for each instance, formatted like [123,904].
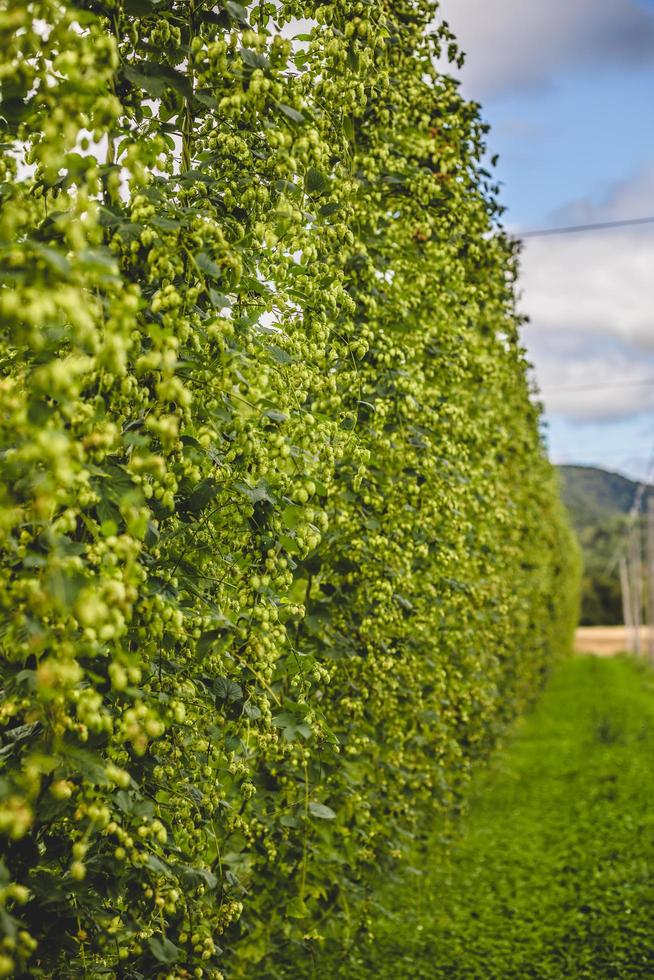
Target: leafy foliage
[282,550]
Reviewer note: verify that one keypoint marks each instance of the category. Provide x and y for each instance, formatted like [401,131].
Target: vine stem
[303,883]
[111,134]
[187,125]
[187,131]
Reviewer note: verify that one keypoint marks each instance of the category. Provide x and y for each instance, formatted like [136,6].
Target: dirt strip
[605,641]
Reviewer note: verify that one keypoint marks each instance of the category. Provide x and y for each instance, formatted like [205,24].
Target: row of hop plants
[282,554]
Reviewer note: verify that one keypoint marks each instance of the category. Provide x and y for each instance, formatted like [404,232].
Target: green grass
[550,873]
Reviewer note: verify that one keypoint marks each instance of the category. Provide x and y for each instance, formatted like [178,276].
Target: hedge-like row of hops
[282,551]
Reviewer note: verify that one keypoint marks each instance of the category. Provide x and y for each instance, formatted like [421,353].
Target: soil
[608,640]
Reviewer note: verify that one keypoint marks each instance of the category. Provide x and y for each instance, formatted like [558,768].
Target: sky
[568,89]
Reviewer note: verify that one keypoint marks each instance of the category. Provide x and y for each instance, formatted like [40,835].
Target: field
[606,640]
[549,874]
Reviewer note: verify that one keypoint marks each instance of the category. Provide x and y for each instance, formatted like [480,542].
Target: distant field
[606,640]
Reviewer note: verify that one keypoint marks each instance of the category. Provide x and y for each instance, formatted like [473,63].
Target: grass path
[551,872]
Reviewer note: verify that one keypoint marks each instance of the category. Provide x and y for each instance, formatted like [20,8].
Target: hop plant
[282,552]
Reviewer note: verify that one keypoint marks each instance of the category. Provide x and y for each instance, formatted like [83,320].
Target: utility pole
[650,576]
[627,608]
[636,569]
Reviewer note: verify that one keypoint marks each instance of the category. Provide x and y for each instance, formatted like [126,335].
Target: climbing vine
[282,553]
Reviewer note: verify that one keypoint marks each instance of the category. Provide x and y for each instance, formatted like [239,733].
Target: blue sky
[568,88]
[572,140]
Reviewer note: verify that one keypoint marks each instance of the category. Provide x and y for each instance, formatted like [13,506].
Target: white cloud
[586,384]
[590,300]
[596,284]
[518,44]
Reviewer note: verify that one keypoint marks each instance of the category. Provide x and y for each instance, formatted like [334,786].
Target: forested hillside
[598,503]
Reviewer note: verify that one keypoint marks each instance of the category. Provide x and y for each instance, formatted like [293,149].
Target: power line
[572,229]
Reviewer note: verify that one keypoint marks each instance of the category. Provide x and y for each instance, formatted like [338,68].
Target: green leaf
[315,181]
[281,356]
[207,265]
[211,638]
[288,187]
[192,877]
[164,951]
[96,260]
[237,11]
[328,209]
[64,586]
[219,300]
[353,60]
[53,259]
[291,726]
[321,811]
[165,223]
[253,59]
[154,86]
[203,494]
[275,415]
[255,494]
[205,98]
[13,111]
[292,516]
[296,909]
[290,112]
[89,764]
[227,690]
[156,78]
[158,866]
[139,8]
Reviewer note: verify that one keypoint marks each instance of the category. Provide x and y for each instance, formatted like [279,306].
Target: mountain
[591,495]
[598,503]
